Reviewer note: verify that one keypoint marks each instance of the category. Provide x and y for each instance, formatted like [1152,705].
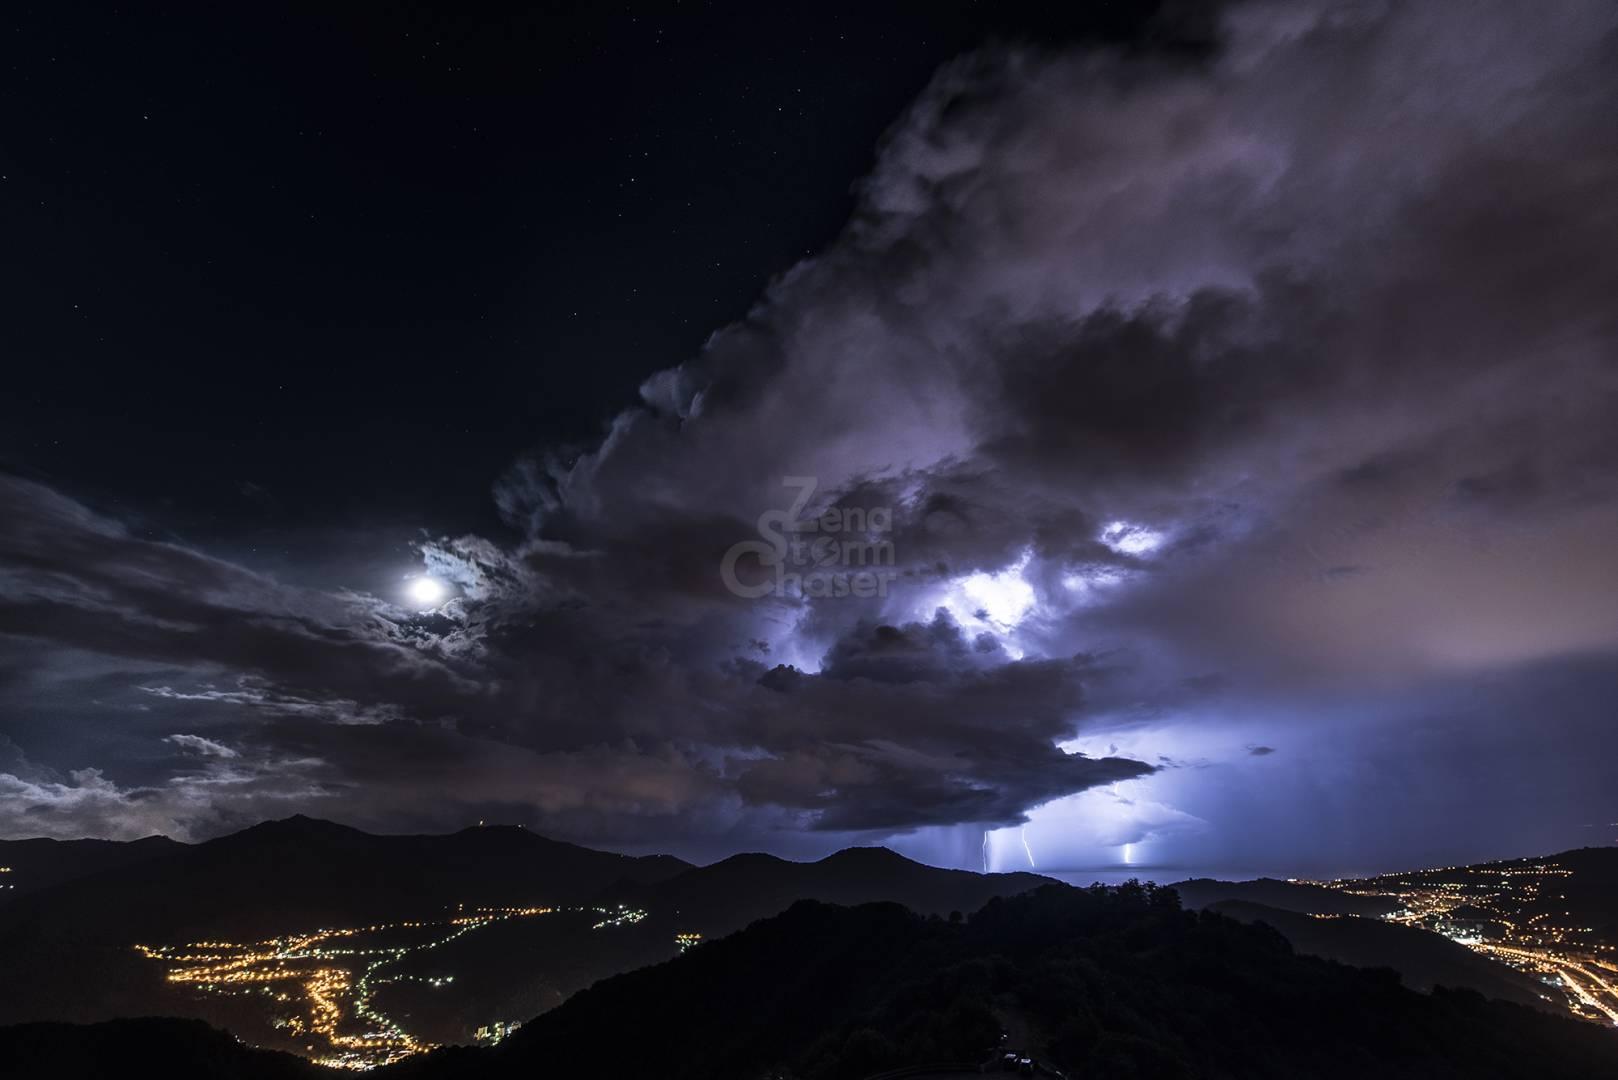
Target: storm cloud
[1193,400]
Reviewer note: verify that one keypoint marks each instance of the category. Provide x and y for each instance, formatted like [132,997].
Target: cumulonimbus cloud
[1291,367]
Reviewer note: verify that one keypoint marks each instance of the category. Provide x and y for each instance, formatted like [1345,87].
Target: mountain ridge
[40,862]
[300,874]
[1424,960]
[1096,982]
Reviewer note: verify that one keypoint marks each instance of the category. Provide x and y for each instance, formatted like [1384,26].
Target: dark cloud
[911,653]
[555,696]
[79,578]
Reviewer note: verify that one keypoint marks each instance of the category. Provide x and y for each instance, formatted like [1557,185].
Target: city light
[321,985]
[1510,913]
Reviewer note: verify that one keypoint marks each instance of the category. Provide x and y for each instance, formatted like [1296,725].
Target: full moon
[427,591]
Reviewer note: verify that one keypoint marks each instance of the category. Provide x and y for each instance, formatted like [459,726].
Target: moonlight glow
[427,591]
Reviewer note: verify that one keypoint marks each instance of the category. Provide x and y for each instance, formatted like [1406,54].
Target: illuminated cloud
[199,745]
[1001,598]
[1128,539]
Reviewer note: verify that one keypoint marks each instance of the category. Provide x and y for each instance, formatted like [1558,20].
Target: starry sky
[1149,438]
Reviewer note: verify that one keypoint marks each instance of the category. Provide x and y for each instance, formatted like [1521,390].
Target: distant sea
[1168,875]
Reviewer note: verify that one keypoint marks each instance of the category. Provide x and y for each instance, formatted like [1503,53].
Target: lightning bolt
[1023,832]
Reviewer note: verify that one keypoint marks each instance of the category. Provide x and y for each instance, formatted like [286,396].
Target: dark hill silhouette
[41,863]
[70,944]
[1588,897]
[726,896]
[143,1047]
[1100,982]
[304,873]
[1423,959]
[1283,895]
[1114,982]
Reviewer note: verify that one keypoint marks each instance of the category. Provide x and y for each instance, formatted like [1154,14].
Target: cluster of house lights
[1509,913]
[329,978]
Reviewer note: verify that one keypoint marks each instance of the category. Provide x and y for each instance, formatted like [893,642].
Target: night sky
[1208,422]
